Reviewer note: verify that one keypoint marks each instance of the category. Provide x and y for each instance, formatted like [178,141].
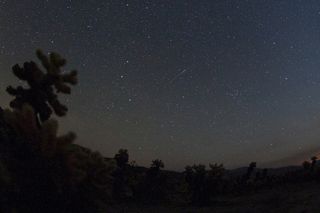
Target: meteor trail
[177,76]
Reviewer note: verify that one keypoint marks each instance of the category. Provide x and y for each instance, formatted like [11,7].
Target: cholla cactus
[250,170]
[122,158]
[313,162]
[70,167]
[216,170]
[41,94]
[306,165]
[43,140]
[157,164]
[80,166]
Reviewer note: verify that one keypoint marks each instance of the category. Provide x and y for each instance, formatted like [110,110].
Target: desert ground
[291,198]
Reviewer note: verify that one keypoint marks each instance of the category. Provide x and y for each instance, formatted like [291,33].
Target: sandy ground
[302,198]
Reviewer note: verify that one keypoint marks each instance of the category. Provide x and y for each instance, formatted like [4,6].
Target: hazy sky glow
[184,81]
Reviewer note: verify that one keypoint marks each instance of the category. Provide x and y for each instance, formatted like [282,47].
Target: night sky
[184,81]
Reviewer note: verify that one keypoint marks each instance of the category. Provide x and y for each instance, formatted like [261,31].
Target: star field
[184,81]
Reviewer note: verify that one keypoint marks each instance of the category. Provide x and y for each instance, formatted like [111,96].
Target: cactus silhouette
[216,170]
[264,174]
[44,141]
[250,170]
[43,87]
[157,165]
[306,165]
[122,158]
[120,174]
[313,162]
